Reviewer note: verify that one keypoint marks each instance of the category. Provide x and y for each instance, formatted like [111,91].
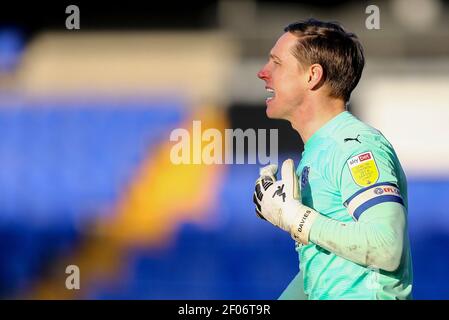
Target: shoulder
[362,154]
[357,138]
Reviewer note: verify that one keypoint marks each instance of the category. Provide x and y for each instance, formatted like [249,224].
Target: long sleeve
[375,240]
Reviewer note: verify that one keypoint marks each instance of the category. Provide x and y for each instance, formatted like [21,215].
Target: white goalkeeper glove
[279,201]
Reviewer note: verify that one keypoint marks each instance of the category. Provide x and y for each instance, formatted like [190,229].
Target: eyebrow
[273,56]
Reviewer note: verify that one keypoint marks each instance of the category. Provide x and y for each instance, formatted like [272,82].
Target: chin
[271,112]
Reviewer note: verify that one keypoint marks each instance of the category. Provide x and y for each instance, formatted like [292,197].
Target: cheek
[296,80]
[292,89]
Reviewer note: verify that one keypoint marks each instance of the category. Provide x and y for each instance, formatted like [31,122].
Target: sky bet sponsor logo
[359,159]
[365,156]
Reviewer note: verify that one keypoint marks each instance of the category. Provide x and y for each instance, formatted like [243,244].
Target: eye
[276,62]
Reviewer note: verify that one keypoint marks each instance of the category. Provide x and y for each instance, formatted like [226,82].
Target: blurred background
[85,121]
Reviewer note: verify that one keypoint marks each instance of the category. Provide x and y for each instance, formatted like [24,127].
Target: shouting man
[346,204]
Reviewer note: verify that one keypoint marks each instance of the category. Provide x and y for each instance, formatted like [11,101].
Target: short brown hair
[337,51]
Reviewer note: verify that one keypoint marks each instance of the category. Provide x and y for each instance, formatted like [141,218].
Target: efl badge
[363,169]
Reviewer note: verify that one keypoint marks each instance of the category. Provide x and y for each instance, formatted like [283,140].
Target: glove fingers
[266,179]
[258,208]
[256,199]
[269,171]
[260,215]
[290,179]
[258,192]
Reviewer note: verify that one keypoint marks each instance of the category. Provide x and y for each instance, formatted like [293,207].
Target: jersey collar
[327,129]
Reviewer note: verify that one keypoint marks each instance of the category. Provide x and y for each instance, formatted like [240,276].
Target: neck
[311,116]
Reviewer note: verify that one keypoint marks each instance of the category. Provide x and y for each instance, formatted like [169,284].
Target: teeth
[270,90]
[271,93]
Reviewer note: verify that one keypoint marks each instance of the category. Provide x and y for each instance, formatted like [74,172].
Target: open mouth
[271,94]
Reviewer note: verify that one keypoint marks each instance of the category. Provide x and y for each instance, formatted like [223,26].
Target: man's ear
[316,76]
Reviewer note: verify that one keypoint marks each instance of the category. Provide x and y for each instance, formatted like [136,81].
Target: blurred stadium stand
[85,119]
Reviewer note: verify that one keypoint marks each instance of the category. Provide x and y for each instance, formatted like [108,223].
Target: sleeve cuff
[315,230]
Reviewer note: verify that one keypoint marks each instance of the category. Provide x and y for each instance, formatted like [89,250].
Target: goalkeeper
[346,204]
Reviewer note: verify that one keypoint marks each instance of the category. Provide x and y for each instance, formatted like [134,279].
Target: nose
[263,73]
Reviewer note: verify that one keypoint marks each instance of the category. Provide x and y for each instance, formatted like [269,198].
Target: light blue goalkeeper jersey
[348,167]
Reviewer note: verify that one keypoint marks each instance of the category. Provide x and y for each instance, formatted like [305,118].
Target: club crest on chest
[305,177]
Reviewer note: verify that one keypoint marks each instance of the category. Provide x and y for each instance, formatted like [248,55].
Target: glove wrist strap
[301,228]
